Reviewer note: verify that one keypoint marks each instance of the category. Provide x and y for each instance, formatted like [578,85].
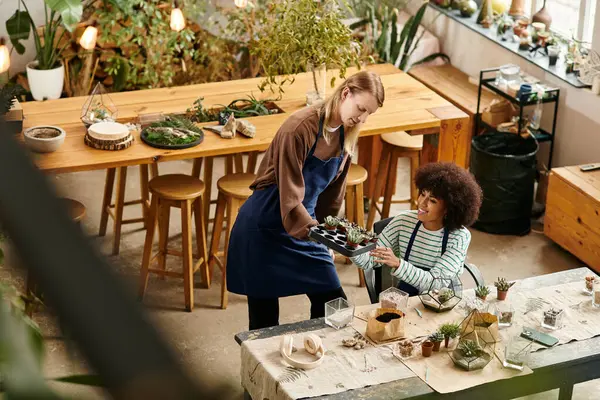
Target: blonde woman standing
[300,181]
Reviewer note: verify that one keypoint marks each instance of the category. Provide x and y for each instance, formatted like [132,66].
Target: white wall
[578,125]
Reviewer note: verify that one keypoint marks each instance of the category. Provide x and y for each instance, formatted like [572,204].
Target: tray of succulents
[344,237]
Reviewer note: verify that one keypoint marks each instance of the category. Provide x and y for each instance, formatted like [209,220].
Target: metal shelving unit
[551,96]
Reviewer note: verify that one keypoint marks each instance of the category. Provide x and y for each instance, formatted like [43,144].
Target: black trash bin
[504,164]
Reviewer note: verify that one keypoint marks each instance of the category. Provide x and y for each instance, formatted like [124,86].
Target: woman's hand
[332,254]
[386,256]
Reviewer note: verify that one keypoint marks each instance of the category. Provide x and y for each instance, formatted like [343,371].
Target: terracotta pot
[436,346]
[502,294]
[427,348]
[543,16]
[482,297]
[352,244]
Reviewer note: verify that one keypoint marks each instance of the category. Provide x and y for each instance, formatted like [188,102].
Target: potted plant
[482,292]
[10,108]
[427,348]
[436,338]
[503,285]
[353,238]
[46,74]
[450,331]
[589,284]
[305,35]
[331,223]
[472,354]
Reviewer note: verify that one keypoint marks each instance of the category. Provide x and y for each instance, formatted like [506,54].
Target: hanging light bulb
[4,56]
[241,3]
[177,20]
[88,39]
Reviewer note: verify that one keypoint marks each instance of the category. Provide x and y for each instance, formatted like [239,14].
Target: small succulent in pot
[436,338]
[445,295]
[503,285]
[482,292]
[354,237]
[331,223]
[344,225]
[450,331]
[470,348]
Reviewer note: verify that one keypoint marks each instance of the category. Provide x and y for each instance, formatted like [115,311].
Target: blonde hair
[363,81]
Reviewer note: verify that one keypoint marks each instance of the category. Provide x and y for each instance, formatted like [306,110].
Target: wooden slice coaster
[107,145]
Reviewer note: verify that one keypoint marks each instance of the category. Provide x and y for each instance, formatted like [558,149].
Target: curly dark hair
[458,189]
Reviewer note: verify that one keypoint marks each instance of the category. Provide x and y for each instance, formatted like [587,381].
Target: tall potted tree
[305,35]
[46,73]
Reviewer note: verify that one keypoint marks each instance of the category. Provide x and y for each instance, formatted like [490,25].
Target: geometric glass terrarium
[484,325]
[98,107]
[443,294]
[472,353]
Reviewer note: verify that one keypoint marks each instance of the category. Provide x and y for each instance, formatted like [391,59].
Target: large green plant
[141,50]
[59,14]
[388,44]
[303,32]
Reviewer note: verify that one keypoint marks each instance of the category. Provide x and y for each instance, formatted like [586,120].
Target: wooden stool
[185,192]
[395,145]
[76,211]
[355,211]
[120,202]
[234,163]
[234,190]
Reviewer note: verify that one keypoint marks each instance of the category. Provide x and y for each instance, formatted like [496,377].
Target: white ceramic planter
[42,144]
[45,84]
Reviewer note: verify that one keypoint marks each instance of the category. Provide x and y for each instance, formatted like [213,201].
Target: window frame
[584,21]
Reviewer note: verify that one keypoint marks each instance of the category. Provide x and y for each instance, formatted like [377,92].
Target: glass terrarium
[505,313]
[484,325]
[98,107]
[552,319]
[338,313]
[516,352]
[472,353]
[394,298]
[443,294]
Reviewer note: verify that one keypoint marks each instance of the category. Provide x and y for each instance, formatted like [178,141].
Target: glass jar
[505,313]
[338,313]
[552,319]
[516,353]
[596,293]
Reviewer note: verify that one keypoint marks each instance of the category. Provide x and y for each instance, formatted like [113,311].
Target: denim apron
[263,260]
[410,289]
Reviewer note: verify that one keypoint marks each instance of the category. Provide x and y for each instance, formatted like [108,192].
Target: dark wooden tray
[336,241]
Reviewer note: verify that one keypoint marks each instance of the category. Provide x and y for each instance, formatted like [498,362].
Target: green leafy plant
[173,130]
[8,94]
[503,285]
[449,330]
[387,43]
[240,108]
[303,33]
[482,292]
[49,44]
[470,348]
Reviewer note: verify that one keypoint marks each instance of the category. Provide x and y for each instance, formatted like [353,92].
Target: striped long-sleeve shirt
[426,251]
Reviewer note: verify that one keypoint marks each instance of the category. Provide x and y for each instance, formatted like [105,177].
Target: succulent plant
[470,348]
[503,285]
[354,236]
[449,330]
[445,295]
[331,221]
[436,337]
[482,291]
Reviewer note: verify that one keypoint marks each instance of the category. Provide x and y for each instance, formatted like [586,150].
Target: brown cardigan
[282,165]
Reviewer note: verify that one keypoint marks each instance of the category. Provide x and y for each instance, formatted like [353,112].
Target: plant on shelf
[386,43]
[46,73]
[304,35]
[437,339]
[450,331]
[502,286]
[482,292]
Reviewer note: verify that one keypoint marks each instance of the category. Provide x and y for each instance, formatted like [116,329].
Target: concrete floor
[203,339]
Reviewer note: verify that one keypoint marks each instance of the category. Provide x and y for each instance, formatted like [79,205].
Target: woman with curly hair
[432,240]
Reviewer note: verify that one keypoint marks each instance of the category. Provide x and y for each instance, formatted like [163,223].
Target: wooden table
[408,106]
[573,212]
[559,367]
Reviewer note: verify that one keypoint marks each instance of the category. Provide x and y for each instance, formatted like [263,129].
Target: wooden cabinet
[573,213]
